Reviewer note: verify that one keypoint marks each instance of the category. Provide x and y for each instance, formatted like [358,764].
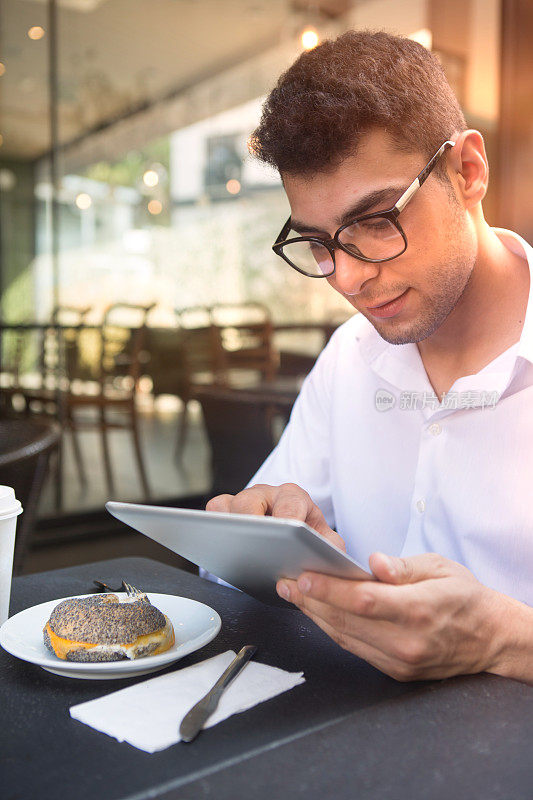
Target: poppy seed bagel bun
[101,628]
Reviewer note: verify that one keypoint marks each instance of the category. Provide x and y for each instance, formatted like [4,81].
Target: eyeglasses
[372,237]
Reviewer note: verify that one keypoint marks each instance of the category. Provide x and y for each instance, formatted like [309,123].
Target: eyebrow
[364,204]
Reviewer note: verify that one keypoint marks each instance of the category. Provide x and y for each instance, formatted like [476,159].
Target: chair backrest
[127,315]
[201,354]
[246,335]
[194,317]
[70,315]
[240,435]
[123,338]
[178,358]
[64,348]
[227,315]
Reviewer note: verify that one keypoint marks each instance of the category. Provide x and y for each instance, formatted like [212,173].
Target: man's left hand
[424,617]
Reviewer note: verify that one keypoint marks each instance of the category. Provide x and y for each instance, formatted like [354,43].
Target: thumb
[391,569]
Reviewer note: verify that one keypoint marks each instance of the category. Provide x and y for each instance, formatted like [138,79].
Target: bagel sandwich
[103,628]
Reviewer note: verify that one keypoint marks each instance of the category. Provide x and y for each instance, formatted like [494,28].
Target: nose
[351,273]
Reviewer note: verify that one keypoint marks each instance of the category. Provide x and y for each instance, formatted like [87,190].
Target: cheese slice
[164,637]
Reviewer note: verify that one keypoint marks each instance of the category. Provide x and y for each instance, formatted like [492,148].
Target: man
[413,434]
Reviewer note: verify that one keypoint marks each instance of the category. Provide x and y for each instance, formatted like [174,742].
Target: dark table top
[347,732]
[280,392]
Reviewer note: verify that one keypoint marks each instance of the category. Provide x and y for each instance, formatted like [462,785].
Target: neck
[488,318]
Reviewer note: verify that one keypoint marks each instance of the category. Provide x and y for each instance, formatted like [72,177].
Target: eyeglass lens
[310,257]
[375,238]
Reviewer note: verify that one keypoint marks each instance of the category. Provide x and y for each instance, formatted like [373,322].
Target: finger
[374,641]
[287,501]
[413,569]
[293,502]
[265,500]
[221,502]
[257,500]
[332,598]
[368,652]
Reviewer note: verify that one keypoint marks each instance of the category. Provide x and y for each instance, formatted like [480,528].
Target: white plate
[195,624]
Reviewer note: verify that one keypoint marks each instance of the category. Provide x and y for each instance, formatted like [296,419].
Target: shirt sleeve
[302,455]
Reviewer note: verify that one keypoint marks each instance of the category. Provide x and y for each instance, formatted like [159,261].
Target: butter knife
[194,720]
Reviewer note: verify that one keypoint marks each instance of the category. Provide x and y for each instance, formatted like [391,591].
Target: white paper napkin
[148,714]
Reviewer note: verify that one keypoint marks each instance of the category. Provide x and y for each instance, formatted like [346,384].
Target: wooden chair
[215,345]
[121,349]
[104,382]
[45,355]
[246,336]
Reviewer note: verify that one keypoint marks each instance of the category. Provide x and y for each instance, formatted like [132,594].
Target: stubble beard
[449,282]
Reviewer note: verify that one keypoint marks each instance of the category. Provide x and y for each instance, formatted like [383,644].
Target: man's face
[430,277]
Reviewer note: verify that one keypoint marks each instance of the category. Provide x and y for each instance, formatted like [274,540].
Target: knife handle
[244,655]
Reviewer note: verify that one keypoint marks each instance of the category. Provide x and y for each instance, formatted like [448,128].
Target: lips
[390,308]
[386,302]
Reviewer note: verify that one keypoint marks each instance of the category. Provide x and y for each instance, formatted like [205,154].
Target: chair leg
[59,473]
[138,451]
[105,450]
[183,427]
[82,475]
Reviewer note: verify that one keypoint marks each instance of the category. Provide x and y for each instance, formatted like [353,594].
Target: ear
[469,165]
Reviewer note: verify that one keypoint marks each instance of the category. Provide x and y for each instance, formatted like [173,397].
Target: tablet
[249,552]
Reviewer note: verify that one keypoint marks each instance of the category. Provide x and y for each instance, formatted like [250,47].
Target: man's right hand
[287,501]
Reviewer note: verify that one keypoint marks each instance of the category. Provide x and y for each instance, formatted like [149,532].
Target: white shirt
[395,470]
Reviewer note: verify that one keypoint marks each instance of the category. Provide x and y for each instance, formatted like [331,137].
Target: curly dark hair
[330,96]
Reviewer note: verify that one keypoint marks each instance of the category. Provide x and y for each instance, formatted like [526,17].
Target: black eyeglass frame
[391,214]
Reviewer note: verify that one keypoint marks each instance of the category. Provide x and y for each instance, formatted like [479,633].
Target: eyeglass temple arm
[421,177]
[283,233]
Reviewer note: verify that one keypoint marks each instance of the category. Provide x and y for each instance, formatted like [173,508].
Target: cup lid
[9,505]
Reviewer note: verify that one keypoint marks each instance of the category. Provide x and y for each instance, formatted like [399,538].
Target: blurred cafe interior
[152,345]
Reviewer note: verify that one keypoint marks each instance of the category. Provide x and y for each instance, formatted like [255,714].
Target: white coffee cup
[10,508]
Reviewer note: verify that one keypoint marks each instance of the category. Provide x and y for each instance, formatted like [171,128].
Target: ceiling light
[233,186]
[150,178]
[2,68]
[309,39]
[36,32]
[83,201]
[155,207]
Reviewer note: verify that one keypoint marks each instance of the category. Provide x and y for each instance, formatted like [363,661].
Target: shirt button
[435,429]
[421,505]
